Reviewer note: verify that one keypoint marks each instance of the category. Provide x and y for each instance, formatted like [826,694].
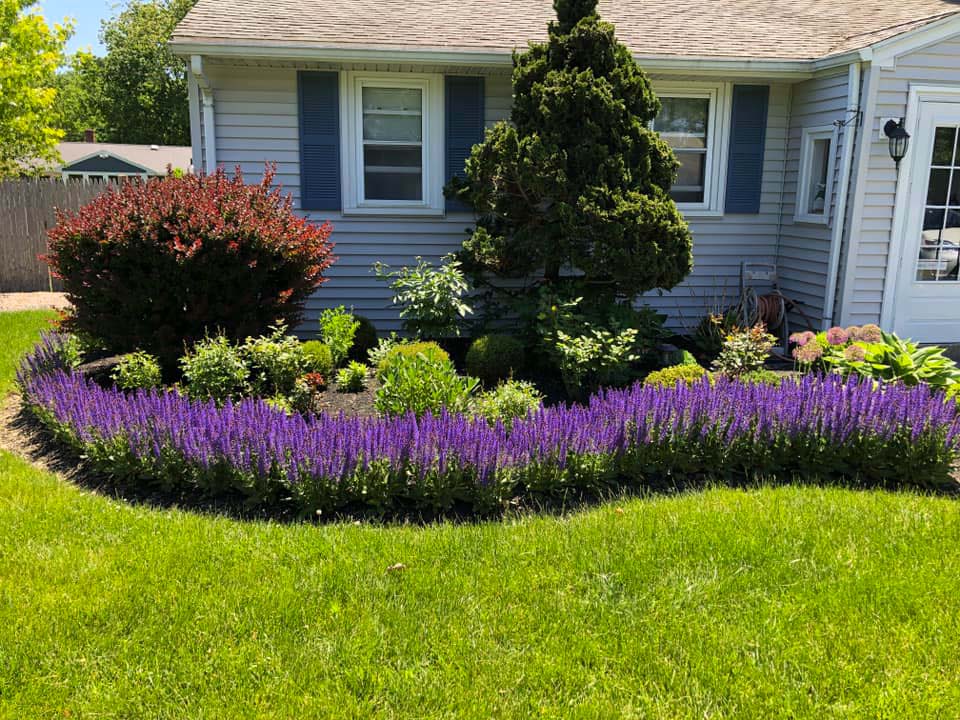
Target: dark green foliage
[364,339]
[577,178]
[318,358]
[493,358]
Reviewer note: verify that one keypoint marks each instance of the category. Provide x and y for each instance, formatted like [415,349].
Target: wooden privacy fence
[27,211]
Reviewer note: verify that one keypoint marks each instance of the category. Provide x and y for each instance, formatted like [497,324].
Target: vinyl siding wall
[864,284]
[257,122]
[804,248]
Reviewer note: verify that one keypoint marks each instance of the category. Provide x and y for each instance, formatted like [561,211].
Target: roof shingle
[757,29]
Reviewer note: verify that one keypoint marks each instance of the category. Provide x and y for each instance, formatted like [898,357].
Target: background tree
[141,85]
[577,179]
[30,53]
[79,104]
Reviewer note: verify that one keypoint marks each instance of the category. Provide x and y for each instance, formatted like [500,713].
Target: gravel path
[11,302]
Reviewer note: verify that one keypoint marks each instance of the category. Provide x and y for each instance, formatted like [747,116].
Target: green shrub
[712,331]
[318,358]
[352,378]
[597,359]
[401,351]
[507,402]
[137,371]
[744,351]
[383,347]
[214,369]
[338,328]
[675,374]
[429,298]
[764,377]
[494,357]
[417,384]
[275,361]
[364,340]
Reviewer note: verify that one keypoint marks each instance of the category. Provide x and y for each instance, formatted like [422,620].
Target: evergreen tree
[577,179]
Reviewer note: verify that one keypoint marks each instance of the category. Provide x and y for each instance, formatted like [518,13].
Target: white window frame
[351,143]
[808,138]
[718,141]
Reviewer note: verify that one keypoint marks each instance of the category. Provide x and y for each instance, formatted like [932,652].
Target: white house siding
[804,248]
[937,64]
[257,122]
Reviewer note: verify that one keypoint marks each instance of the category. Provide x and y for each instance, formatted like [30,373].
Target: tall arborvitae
[577,179]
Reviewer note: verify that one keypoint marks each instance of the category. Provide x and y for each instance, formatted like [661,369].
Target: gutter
[852,134]
[209,112]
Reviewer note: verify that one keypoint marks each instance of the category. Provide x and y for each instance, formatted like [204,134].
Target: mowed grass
[783,602]
[19,331]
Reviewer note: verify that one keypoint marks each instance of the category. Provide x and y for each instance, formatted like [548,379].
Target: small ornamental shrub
[159,264]
[215,370]
[338,328]
[318,358]
[711,332]
[594,360]
[275,361]
[872,353]
[419,385]
[507,402]
[137,371]
[383,348]
[670,376]
[430,298]
[364,340]
[401,351]
[744,351]
[352,378]
[494,357]
[764,377]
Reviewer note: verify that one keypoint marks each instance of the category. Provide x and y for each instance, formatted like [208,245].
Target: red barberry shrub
[157,265]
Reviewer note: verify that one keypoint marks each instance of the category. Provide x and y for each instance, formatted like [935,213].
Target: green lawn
[771,603]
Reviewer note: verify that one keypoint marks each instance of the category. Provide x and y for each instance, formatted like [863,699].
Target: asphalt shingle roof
[760,29]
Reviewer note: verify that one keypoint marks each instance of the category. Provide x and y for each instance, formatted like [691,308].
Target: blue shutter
[464,123]
[319,140]
[748,134]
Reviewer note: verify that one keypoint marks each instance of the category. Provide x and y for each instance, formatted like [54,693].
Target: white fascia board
[741,67]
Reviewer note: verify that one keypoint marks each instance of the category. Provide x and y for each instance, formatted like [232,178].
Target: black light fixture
[899,139]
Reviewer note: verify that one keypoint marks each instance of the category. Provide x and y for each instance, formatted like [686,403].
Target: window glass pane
[817,179]
[954,198]
[394,157]
[690,177]
[683,122]
[392,127]
[937,190]
[392,99]
[943,144]
[393,186]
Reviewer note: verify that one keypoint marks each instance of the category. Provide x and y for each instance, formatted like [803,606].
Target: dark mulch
[333,402]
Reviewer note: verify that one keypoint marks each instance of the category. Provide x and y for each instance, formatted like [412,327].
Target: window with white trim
[392,143]
[815,180]
[694,121]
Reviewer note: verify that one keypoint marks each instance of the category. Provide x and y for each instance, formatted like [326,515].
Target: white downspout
[209,113]
[851,135]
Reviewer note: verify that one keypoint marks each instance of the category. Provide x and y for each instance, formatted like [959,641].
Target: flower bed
[817,428]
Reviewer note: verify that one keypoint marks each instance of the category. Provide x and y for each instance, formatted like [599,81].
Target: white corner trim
[209,112]
[901,210]
[850,135]
[196,138]
[808,137]
[865,140]
[351,148]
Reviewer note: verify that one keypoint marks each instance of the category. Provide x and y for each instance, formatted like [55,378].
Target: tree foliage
[30,53]
[79,104]
[577,178]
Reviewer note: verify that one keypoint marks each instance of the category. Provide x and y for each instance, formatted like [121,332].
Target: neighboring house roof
[153,159]
[749,29]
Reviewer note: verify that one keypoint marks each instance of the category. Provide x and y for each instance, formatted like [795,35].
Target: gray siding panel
[257,122]
[804,248]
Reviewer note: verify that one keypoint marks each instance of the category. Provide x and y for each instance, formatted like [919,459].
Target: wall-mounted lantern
[898,138]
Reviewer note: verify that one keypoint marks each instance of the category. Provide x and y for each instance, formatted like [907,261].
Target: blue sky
[87,15]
